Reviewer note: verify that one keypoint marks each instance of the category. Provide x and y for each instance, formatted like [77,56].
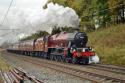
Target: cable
[9,29]
[4,34]
[7,12]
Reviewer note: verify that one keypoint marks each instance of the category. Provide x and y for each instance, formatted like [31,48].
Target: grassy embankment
[109,44]
[3,65]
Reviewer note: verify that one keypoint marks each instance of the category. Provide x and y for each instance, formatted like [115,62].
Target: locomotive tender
[68,47]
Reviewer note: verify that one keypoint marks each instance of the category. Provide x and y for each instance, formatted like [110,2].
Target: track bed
[45,74]
[95,73]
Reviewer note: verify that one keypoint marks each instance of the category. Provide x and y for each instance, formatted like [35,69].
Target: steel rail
[96,78]
[109,68]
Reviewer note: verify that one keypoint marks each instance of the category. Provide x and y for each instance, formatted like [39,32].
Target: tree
[103,12]
[117,10]
[67,29]
[121,10]
[55,30]
[35,35]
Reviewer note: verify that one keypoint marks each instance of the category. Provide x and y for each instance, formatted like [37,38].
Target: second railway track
[95,77]
[110,68]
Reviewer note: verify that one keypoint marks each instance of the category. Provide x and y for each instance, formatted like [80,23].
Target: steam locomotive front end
[81,52]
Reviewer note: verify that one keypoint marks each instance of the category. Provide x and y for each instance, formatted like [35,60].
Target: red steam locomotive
[67,47]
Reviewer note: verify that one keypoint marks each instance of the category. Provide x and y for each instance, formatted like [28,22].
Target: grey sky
[24,4]
[4,2]
[28,16]
[17,6]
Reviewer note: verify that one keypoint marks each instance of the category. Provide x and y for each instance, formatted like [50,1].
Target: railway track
[65,68]
[17,75]
[97,78]
[110,68]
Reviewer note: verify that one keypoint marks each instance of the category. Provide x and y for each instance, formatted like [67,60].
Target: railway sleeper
[11,77]
[17,76]
[30,77]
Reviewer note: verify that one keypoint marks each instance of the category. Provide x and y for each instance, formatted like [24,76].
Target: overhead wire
[6,12]
[9,29]
[2,22]
[4,34]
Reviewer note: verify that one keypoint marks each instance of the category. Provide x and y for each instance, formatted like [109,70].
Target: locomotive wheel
[55,57]
[51,57]
[86,61]
[62,59]
[74,60]
[68,60]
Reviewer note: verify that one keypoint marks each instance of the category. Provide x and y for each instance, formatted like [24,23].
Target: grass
[109,44]
[3,65]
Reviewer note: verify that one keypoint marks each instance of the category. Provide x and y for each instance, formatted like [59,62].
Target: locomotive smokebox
[81,39]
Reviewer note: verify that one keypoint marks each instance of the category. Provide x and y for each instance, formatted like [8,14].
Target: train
[64,47]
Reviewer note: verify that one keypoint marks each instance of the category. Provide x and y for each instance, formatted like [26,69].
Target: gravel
[45,74]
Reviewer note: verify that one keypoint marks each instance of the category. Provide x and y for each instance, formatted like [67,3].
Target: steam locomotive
[66,47]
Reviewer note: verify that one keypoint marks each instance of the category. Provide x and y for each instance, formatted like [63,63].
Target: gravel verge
[45,74]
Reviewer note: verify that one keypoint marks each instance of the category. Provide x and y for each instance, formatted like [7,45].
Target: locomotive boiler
[66,47]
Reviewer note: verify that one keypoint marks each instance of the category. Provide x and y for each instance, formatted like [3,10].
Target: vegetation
[96,13]
[109,44]
[59,29]
[3,65]
[55,30]
[35,35]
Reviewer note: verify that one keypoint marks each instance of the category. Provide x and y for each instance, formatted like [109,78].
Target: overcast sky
[28,16]
[17,5]
[21,4]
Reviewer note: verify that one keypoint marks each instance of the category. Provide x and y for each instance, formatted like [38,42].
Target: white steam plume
[31,20]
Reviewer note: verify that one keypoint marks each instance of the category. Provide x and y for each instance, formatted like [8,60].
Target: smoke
[56,15]
[28,21]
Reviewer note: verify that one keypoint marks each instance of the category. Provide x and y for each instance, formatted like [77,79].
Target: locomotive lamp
[94,59]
